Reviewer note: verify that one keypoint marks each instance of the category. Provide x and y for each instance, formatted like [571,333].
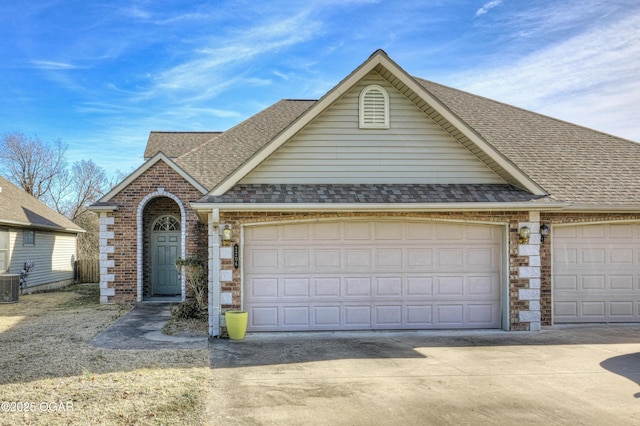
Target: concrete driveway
[562,375]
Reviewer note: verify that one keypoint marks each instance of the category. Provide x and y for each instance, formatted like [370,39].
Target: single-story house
[392,202]
[36,239]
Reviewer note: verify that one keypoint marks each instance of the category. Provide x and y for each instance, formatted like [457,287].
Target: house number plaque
[236,256]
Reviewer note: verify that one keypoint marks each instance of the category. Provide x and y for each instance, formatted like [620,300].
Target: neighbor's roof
[17,208]
[174,144]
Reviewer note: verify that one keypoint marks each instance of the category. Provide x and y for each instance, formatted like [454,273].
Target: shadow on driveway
[260,349]
[627,366]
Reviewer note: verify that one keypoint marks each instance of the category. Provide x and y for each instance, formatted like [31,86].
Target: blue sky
[99,75]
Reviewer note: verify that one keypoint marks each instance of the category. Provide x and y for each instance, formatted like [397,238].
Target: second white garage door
[595,273]
[353,275]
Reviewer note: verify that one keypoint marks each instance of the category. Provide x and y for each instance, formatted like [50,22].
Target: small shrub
[196,276]
[189,310]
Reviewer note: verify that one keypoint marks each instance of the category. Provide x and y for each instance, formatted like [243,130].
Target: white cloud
[52,65]
[590,79]
[488,6]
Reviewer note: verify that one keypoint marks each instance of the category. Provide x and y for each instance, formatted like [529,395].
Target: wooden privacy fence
[88,270]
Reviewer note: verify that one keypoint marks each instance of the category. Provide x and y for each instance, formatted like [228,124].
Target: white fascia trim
[326,101]
[98,209]
[325,207]
[602,208]
[160,156]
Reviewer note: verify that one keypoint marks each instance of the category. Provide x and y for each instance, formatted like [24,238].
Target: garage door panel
[357,259]
[621,283]
[621,256]
[357,287]
[419,287]
[450,315]
[388,286]
[369,278]
[296,287]
[483,286]
[327,287]
[388,231]
[388,259]
[622,309]
[419,258]
[327,316]
[358,316]
[326,231]
[295,259]
[327,258]
[481,314]
[419,316]
[296,316]
[449,286]
[388,316]
[357,231]
[595,270]
[263,317]
[263,260]
[262,288]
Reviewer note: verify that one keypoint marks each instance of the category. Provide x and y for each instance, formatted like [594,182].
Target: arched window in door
[166,223]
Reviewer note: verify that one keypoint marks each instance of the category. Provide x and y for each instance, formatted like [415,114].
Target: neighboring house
[391,203]
[32,233]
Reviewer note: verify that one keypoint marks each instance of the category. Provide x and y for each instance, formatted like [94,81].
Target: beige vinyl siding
[54,255]
[333,149]
[446,125]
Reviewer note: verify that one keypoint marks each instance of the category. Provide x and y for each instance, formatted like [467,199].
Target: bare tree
[31,163]
[83,185]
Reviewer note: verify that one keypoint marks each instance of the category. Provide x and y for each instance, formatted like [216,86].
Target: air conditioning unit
[9,288]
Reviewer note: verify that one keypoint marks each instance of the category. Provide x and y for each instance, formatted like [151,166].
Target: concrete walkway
[141,328]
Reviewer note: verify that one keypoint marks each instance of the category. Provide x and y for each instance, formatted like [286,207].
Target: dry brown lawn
[47,364]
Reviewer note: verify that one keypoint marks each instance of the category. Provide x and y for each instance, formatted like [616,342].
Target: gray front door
[165,249]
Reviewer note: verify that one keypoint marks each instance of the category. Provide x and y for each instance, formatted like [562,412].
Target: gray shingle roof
[174,144]
[213,161]
[337,194]
[571,162]
[18,208]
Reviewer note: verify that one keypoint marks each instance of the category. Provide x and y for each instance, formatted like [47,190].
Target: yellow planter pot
[236,324]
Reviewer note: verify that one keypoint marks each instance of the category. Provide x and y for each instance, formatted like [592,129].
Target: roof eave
[103,208]
[602,208]
[20,224]
[378,207]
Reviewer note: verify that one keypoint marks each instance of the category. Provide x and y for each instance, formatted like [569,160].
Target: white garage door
[595,273]
[355,275]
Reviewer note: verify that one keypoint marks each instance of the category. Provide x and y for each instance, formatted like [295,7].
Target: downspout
[214,272]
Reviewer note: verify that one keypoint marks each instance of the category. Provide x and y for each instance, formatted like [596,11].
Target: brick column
[531,272]
[107,279]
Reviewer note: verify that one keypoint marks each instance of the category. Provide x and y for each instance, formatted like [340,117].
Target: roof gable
[19,208]
[335,149]
[391,72]
[143,168]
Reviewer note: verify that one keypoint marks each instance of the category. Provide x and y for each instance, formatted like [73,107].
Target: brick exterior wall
[529,268]
[121,228]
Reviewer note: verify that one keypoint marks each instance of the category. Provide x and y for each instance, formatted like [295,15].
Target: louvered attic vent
[374,108]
